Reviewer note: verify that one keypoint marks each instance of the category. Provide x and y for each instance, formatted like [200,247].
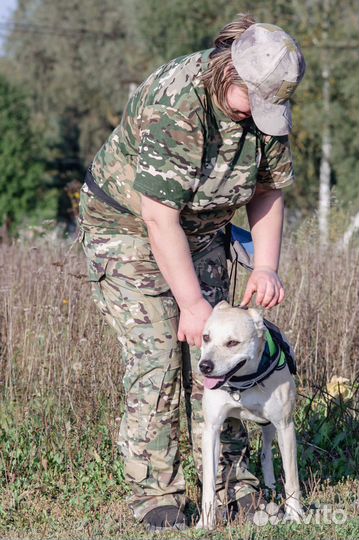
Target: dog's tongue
[211,382]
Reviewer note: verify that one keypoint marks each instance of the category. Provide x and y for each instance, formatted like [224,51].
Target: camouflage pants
[133,296]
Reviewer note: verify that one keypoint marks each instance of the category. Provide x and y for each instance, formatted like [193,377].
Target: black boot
[245,507]
[164,518]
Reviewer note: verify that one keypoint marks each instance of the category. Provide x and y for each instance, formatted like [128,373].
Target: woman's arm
[265,216]
[171,251]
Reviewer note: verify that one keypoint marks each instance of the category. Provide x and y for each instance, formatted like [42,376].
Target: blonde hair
[221,73]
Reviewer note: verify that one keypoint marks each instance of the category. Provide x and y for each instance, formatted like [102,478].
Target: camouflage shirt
[175,146]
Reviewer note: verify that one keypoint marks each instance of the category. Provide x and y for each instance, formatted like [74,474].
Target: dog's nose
[206,366]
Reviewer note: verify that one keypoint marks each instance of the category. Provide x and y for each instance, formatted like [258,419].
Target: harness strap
[248,381]
[102,195]
[277,356]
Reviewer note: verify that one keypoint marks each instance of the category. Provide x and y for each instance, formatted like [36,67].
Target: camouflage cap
[272,65]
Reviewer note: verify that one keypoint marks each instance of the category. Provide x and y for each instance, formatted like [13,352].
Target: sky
[6,8]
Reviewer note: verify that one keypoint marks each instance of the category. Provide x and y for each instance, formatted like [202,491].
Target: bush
[23,189]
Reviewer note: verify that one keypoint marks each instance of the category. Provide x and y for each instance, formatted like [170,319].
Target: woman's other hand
[192,321]
[265,283]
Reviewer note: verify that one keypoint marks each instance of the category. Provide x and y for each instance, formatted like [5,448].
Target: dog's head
[232,343]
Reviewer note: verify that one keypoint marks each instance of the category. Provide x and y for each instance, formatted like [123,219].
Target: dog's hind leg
[268,432]
[288,448]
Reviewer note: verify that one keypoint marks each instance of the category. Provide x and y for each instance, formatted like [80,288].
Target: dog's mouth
[216,382]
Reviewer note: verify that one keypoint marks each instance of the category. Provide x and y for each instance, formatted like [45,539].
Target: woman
[204,135]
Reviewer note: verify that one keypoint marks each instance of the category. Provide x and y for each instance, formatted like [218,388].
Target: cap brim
[270,118]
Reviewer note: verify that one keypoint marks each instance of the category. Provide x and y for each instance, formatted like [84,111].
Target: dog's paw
[208,524]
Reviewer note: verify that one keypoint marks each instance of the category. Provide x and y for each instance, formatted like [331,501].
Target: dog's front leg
[210,457]
[288,448]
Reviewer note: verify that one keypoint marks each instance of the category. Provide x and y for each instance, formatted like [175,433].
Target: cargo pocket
[148,302]
[163,446]
[139,274]
[80,235]
[156,397]
[96,270]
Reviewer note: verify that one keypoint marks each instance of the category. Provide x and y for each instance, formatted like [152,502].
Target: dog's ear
[258,321]
[222,305]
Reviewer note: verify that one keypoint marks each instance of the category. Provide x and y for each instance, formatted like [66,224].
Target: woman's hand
[265,283]
[192,321]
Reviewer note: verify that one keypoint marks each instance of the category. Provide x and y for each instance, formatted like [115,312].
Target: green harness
[271,351]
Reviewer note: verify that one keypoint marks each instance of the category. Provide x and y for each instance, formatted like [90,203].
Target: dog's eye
[232,343]
[205,338]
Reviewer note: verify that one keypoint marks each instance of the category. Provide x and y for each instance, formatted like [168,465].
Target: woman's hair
[221,73]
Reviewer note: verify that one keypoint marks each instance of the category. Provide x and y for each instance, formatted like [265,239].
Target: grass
[61,397]
[64,479]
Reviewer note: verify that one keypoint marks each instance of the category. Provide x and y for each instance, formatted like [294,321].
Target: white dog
[239,383]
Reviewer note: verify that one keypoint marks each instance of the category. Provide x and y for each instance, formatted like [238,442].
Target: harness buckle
[235,395]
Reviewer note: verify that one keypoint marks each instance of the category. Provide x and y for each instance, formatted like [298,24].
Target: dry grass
[60,377]
[52,337]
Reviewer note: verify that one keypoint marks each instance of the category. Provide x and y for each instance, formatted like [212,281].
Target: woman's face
[237,99]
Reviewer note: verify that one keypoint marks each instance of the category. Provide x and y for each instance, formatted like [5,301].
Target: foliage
[326,428]
[330,44]
[22,170]
[326,432]
[174,28]
[74,72]
[76,68]
[79,59]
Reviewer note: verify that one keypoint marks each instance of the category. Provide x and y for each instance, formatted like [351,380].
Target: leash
[234,266]
[278,352]
[241,250]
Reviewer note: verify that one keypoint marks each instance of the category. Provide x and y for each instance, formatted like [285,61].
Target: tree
[71,56]
[331,33]
[79,58]
[175,27]
[22,170]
